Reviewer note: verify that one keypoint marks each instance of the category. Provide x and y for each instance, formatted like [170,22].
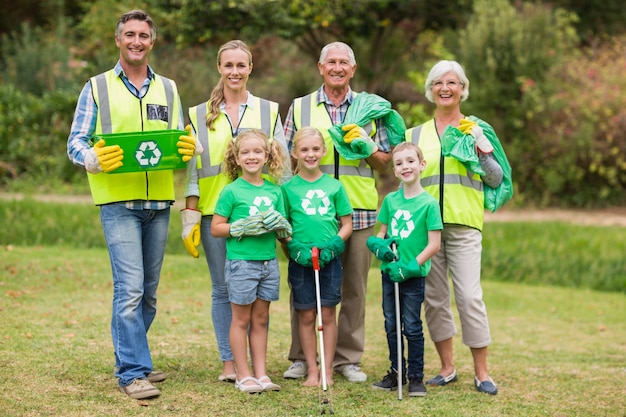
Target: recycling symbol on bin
[315,201]
[401,224]
[148,154]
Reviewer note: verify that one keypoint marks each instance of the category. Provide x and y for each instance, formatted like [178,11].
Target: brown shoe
[156,376]
[140,389]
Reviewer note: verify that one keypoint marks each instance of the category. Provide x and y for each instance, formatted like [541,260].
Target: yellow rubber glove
[466,125]
[191,219]
[353,131]
[103,158]
[186,145]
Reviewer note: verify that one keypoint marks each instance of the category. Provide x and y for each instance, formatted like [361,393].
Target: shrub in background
[581,130]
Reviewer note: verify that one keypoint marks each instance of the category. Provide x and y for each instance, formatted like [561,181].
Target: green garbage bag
[364,108]
[463,148]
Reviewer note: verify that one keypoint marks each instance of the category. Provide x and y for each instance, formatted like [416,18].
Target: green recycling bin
[146,151]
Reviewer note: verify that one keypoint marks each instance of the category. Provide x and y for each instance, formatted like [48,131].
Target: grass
[556,351]
[558,344]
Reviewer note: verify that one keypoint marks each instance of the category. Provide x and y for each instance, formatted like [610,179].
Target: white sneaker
[353,373]
[297,370]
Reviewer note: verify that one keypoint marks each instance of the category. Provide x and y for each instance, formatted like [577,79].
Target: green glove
[363,146]
[300,252]
[381,248]
[250,226]
[330,249]
[191,230]
[400,271]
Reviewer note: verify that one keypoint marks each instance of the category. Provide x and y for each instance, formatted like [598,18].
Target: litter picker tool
[396,290]
[326,400]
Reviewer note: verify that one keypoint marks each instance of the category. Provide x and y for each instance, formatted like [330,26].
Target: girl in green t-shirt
[250,214]
[314,201]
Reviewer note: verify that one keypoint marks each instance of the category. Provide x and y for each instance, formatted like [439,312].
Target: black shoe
[416,388]
[390,381]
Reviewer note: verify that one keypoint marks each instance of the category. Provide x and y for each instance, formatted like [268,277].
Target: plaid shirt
[361,219]
[84,126]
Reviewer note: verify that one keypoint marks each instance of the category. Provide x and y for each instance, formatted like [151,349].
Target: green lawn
[556,351]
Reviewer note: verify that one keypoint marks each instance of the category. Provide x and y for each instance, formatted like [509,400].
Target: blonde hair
[273,149]
[305,132]
[217,95]
[403,146]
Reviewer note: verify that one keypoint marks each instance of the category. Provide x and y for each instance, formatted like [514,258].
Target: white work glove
[103,158]
[191,219]
[482,143]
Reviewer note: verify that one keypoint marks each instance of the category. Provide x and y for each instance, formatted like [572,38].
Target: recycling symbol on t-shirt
[261,203]
[402,224]
[148,154]
[315,201]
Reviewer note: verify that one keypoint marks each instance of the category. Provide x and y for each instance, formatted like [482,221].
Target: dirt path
[609,217]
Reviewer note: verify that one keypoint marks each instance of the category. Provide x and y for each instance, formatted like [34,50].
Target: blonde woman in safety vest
[460,194]
[134,206]
[323,109]
[230,110]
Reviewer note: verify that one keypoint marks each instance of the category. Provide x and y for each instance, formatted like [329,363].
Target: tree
[383,33]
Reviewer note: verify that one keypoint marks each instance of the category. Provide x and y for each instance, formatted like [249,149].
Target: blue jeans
[411,298]
[221,313]
[136,241]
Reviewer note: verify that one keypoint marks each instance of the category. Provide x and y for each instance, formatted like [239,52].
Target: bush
[581,131]
[33,133]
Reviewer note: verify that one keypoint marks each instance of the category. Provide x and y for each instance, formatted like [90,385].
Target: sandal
[227,377]
[251,389]
[267,384]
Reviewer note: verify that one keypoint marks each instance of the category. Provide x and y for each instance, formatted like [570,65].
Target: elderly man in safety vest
[323,109]
[134,206]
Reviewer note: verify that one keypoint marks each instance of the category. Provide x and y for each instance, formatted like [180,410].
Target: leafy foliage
[382,32]
[33,132]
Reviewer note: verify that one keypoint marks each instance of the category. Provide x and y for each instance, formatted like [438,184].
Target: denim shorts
[249,280]
[302,282]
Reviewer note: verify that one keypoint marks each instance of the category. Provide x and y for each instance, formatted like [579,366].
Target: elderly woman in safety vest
[459,187]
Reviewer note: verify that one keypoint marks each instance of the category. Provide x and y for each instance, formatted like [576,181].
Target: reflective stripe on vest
[459,191]
[121,111]
[262,115]
[356,176]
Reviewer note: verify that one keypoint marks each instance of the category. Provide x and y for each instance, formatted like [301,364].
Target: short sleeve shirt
[313,207]
[241,199]
[409,220]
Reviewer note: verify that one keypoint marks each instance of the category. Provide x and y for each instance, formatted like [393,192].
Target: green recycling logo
[148,154]
[401,224]
[261,203]
[316,201]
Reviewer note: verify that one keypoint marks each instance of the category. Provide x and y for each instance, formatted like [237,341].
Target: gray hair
[337,45]
[136,15]
[440,69]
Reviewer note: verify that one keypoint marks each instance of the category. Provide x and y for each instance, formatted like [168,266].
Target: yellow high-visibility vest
[356,176]
[459,191]
[121,111]
[263,115]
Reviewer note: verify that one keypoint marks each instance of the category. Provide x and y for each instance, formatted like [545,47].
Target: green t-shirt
[313,207]
[240,199]
[409,220]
